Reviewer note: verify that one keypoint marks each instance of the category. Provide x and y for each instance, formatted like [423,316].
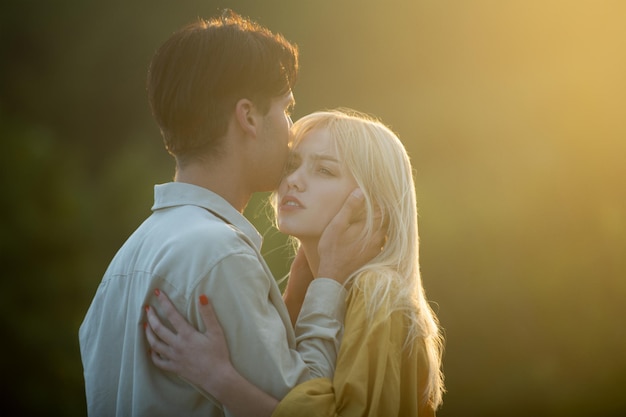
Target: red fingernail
[157,292]
[204,300]
[145,325]
[147,308]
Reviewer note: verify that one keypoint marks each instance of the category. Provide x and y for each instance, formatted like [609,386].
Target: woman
[389,363]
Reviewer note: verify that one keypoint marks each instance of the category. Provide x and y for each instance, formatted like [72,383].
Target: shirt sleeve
[257,327]
[368,375]
[319,327]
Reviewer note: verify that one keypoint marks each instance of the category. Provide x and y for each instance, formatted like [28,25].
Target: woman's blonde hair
[379,163]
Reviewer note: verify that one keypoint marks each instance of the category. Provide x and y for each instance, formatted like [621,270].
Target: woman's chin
[283,227]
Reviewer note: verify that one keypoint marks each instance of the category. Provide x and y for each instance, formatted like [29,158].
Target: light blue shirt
[197,243]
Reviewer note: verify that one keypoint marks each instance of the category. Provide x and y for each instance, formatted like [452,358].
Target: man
[221,92]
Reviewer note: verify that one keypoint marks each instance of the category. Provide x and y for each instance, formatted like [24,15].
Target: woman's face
[314,188]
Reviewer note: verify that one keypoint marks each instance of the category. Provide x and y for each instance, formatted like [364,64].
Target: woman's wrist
[238,395]
[221,382]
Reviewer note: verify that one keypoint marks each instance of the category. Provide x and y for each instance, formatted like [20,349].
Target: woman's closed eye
[325,171]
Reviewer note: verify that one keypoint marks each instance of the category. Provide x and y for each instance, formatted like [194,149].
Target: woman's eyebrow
[324,157]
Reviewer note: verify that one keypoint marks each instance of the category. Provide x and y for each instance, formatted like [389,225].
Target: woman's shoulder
[375,285]
[373,296]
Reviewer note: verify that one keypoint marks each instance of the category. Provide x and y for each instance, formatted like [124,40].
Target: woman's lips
[289,202]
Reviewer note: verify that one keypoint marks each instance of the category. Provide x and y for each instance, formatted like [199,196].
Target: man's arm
[257,326]
[234,392]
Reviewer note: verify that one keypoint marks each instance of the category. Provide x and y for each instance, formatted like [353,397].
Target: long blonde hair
[378,161]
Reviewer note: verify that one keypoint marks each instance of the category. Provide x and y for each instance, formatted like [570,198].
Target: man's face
[276,140]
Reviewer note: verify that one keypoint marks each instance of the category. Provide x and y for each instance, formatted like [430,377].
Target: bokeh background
[514,114]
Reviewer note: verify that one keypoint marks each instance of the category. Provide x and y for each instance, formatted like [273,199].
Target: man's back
[172,250]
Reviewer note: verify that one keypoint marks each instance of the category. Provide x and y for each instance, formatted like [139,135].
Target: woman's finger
[353,210]
[157,326]
[160,362]
[156,345]
[163,362]
[209,318]
[214,332]
[381,226]
[169,311]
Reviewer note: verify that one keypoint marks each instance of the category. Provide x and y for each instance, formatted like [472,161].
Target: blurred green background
[514,114]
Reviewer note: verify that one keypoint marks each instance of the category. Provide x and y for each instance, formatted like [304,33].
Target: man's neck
[220,177]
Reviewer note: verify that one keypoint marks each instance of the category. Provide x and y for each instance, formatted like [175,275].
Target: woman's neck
[312,255]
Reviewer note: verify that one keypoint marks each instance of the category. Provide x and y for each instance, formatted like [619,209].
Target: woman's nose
[294,180]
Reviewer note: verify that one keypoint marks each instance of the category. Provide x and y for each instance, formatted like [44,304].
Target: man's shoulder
[184,231]
[196,229]
[186,242]
[203,226]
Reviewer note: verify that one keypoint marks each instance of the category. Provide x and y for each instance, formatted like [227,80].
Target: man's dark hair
[197,76]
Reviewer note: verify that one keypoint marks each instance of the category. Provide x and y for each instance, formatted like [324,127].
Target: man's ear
[246,116]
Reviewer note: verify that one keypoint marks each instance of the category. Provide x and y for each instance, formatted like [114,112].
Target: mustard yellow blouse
[374,377]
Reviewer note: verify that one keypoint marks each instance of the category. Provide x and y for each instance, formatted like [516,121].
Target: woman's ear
[245,115]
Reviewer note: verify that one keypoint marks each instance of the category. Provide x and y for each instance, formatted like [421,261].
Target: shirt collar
[174,194]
